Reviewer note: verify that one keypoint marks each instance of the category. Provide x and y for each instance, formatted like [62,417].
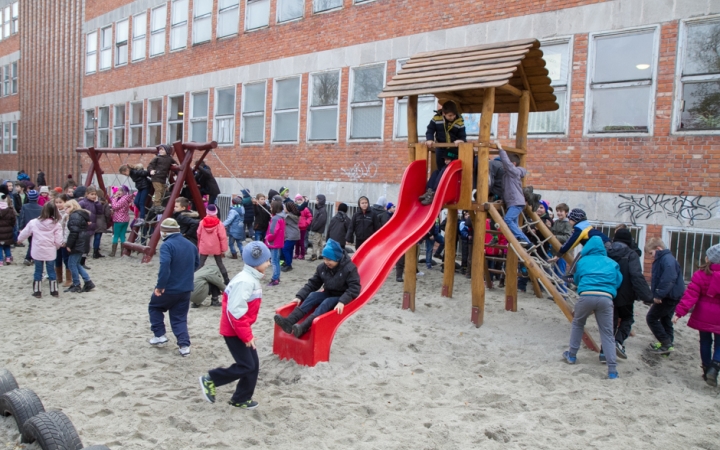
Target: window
[426,110]
[225,115]
[121,43]
[472,125]
[2,139]
[14,77]
[91,53]
[253,116]
[103,126]
[157,30]
[175,121]
[257,14]
[105,48]
[324,94]
[14,147]
[136,124]
[621,82]
[326,5]
[202,21]
[198,118]
[366,109]
[689,246]
[7,142]
[228,17]
[154,122]
[15,17]
[7,88]
[286,115]
[178,25]
[699,77]
[139,28]
[119,126]
[90,128]
[7,22]
[290,10]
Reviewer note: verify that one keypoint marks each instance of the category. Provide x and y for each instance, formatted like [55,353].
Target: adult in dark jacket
[159,169]
[379,210]
[667,287]
[247,202]
[77,245]
[338,277]
[317,227]
[362,225]
[339,225]
[633,287]
[41,178]
[207,183]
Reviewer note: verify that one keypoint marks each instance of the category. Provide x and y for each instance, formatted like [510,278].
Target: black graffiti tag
[681,207]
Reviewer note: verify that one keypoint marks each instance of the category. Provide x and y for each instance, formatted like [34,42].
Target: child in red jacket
[212,240]
[240,306]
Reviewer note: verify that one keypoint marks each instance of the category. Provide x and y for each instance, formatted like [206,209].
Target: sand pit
[396,379]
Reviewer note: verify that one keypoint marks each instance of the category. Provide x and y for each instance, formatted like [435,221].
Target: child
[703,297]
[247,202]
[338,277]
[362,225]
[48,237]
[159,169]
[207,280]
[88,200]
[292,233]
[513,193]
[77,244]
[206,183]
[62,253]
[582,231]
[29,211]
[275,238]
[339,225]
[235,225]
[240,306]
[44,195]
[187,219]
[667,286]
[212,240]
[7,225]
[262,216]
[561,228]
[379,210]
[306,219]
[121,217]
[431,238]
[103,223]
[465,227]
[140,177]
[317,227]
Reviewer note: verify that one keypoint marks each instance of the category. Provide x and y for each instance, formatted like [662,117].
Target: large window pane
[325,88]
[287,100]
[367,83]
[286,126]
[288,93]
[200,105]
[121,43]
[139,30]
[157,29]
[253,129]
[202,24]
[290,9]
[324,5]
[624,57]
[198,131]
[225,102]
[105,48]
[253,119]
[557,62]
[367,122]
[426,111]
[258,14]
[323,124]
[702,53]
[620,110]
[228,17]
[254,98]
[702,106]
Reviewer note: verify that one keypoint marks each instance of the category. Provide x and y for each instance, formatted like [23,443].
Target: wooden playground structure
[508,77]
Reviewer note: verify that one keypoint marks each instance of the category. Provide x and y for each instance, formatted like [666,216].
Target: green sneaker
[655,346]
[208,388]
[250,404]
[663,350]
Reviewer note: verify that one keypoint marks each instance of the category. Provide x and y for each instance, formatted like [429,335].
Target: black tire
[97,447]
[7,381]
[53,431]
[22,404]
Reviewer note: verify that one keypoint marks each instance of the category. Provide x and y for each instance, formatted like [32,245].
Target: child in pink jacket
[47,234]
[212,240]
[303,224]
[703,293]
[120,203]
[275,238]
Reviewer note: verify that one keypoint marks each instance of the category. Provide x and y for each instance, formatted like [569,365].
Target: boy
[187,219]
[465,228]
[262,217]
[159,169]
[317,227]
[207,280]
[178,260]
[667,287]
[582,231]
[140,177]
[561,228]
[339,225]
[513,193]
[89,201]
[338,277]
[240,306]
[247,202]
[235,226]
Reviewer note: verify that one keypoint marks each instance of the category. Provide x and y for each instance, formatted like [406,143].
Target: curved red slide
[374,260]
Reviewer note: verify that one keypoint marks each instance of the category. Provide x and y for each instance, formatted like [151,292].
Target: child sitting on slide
[341,281]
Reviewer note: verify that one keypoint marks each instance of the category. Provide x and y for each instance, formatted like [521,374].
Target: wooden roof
[462,74]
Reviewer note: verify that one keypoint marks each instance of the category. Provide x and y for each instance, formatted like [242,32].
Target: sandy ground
[396,379]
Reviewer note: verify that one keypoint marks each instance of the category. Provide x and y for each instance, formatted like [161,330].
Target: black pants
[622,322]
[400,267]
[245,369]
[659,320]
[435,177]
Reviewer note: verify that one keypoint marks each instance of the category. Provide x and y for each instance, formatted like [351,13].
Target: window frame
[289,110]
[158,31]
[88,120]
[116,127]
[171,122]
[247,14]
[103,129]
[216,116]
[13,137]
[294,19]
[133,127]
[205,118]
[175,27]
[15,18]
[94,53]
[118,45]
[351,81]
[7,22]
[148,124]
[336,8]
[225,11]
[205,17]
[587,120]
[102,50]
[311,108]
[244,114]
[6,137]
[137,39]
[13,66]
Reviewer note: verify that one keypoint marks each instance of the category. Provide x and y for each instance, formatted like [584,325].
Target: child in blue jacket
[667,286]
[235,225]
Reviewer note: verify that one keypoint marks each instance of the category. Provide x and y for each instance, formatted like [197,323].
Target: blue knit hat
[32,195]
[255,254]
[389,205]
[332,251]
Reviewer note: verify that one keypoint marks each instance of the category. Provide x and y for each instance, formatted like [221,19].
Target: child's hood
[320,201]
[168,150]
[46,225]
[594,247]
[209,223]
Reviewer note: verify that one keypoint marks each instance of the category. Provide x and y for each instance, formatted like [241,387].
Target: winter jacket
[140,178]
[77,225]
[667,278]
[306,219]
[42,200]
[500,241]
[104,219]
[343,281]
[240,304]
[595,272]
[248,205]
[205,276]
[262,217]
[292,229]
[161,165]
[633,287]
[512,182]
[440,130]
[18,201]
[496,174]
[64,224]
[178,261]
[703,293]
[465,227]
[47,238]
[562,229]
[7,224]
[29,211]
[339,227]
[319,220]
[582,231]
[189,222]
[121,208]
[235,222]
[380,215]
[212,238]
[206,181]
[275,235]
[362,226]
[95,209]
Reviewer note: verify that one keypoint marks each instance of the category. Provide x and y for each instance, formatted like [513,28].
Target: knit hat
[32,195]
[623,235]
[389,205]
[298,197]
[283,190]
[713,254]
[211,210]
[343,207]
[332,251]
[125,188]
[44,190]
[577,215]
[237,200]
[58,190]
[545,205]
[169,226]
[255,254]
[79,192]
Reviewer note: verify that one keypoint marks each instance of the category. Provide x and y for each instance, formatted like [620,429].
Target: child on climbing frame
[140,177]
[513,193]
[159,169]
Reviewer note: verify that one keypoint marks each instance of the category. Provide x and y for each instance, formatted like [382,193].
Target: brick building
[287,88]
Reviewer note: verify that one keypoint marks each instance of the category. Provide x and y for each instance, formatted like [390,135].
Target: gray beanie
[713,254]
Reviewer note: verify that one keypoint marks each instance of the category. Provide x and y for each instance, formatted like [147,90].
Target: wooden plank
[441,84]
[533,107]
[539,80]
[513,60]
[510,89]
[512,50]
[522,125]
[530,43]
[451,229]
[409,79]
[535,71]
[434,89]
[508,107]
[412,109]
[466,156]
[415,63]
[410,278]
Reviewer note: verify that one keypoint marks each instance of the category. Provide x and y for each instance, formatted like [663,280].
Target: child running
[121,217]
[667,286]
[275,238]
[212,240]
[47,238]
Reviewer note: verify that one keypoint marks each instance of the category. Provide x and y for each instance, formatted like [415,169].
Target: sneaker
[194,305]
[8,260]
[286,269]
[602,358]
[215,302]
[663,350]
[655,346]
[157,340]
[89,286]
[273,283]
[184,351]
[250,404]
[613,376]
[399,279]
[569,359]
[208,388]
[419,274]
[620,350]
[76,288]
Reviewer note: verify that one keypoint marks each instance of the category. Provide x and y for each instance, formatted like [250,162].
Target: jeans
[429,247]
[231,244]
[321,300]
[622,322]
[300,247]
[139,202]
[603,308]
[511,218]
[245,369]
[706,348]
[177,307]
[6,251]
[76,269]
[62,257]
[288,252]
[49,266]
[275,259]
[659,320]
[119,231]
[96,241]
[259,235]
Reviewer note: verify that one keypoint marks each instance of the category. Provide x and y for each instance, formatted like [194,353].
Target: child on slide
[338,277]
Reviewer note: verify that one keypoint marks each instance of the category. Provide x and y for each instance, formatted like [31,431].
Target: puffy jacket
[212,238]
[41,179]
[18,201]
[178,261]
[77,226]
[241,303]
[140,178]
[595,271]
[262,217]
[306,219]
[235,222]
[161,165]
[496,174]
[121,208]
[7,224]
[582,231]
[104,219]
[275,235]
[205,276]
[512,181]
[29,211]
[667,277]
[248,205]
[319,220]
[206,181]
[440,130]
[47,238]
[95,209]
[189,222]
[343,281]
[362,226]
[339,227]
[703,293]
[633,287]
[292,230]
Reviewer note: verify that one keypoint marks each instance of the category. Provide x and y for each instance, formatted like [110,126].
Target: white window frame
[15,17]
[247,15]
[198,119]
[311,108]
[243,114]
[160,32]
[350,104]
[217,117]
[179,26]
[134,127]
[119,128]
[14,77]
[2,138]
[294,19]
[103,50]
[323,11]
[297,110]
[87,120]
[148,115]
[119,44]
[101,129]
[667,231]
[229,11]
[680,80]
[91,37]
[171,121]
[201,20]
[7,22]
[7,140]
[653,82]
[7,80]
[14,137]
[139,41]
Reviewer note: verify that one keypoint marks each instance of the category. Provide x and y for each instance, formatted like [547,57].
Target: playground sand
[396,379]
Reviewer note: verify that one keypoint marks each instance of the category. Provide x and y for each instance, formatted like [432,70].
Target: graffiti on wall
[681,207]
[360,171]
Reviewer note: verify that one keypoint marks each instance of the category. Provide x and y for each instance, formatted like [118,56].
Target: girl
[47,238]
[212,240]
[44,195]
[121,216]
[292,234]
[362,225]
[62,254]
[235,225]
[7,227]
[77,243]
[703,293]
[275,238]
[140,177]
[103,222]
[305,220]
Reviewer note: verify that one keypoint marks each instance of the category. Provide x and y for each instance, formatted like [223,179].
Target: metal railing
[689,245]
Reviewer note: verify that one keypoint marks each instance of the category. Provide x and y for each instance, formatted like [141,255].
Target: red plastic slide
[374,260]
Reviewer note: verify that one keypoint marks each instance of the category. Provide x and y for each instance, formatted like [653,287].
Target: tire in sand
[53,430]
[7,381]
[97,447]
[22,404]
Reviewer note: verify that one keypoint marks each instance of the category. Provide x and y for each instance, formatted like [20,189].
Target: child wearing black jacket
[140,177]
[362,225]
[159,169]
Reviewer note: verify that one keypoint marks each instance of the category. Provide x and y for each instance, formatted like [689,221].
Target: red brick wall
[10,103]
[95,8]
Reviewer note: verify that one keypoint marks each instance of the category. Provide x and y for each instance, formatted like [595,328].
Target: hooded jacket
[667,278]
[595,272]
[47,238]
[248,205]
[633,287]
[343,281]
[703,293]
[292,228]
[178,261]
[380,213]
[140,178]
[241,304]
[306,219]
[275,235]
[319,220]
[29,211]
[95,209]
[77,226]
[121,208]
[339,227]
[582,231]
[512,181]
[212,238]
[189,222]
[203,277]
[206,181]
[235,222]
[7,224]
[262,216]
[362,225]
[161,165]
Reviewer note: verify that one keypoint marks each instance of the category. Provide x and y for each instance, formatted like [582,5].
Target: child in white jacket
[47,235]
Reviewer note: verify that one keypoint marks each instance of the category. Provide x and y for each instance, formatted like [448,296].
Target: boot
[59,274]
[96,254]
[82,263]
[704,375]
[215,302]
[427,198]
[74,288]
[89,286]
[301,328]
[113,251]
[233,256]
[712,373]
[286,323]
[37,293]
[53,288]
[68,278]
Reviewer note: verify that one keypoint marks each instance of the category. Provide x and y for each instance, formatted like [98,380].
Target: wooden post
[409,275]
[466,154]
[412,108]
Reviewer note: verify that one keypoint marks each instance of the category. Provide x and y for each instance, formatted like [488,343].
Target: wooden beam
[412,108]
[466,155]
[510,89]
[526,83]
